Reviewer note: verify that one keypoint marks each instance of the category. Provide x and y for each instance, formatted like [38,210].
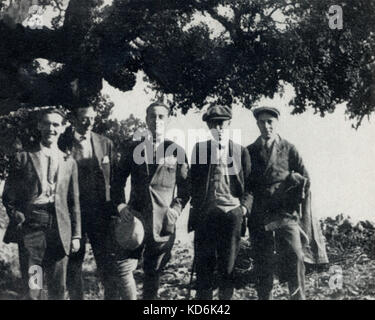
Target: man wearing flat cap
[220,170]
[282,235]
[157,167]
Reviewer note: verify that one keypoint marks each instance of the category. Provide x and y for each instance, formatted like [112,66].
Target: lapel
[35,158]
[208,144]
[61,169]
[147,154]
[96,147]
[234,154]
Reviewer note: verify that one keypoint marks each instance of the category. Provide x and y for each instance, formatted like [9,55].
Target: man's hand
[19,217]
[121,206]
[126,214]
[173,215]
[244,210]
[76,244]
[295,178]
[244,221]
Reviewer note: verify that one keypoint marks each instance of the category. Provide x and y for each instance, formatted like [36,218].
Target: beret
[48,110]
[272,110]
[217,112]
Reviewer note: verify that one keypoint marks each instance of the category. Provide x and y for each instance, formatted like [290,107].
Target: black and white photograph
[187,150]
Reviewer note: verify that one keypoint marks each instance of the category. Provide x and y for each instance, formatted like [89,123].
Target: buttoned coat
[268,171]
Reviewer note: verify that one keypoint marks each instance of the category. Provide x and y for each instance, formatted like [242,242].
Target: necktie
[86,148]
[52,168]
[154,149]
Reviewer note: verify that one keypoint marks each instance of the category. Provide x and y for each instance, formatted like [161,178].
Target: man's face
[157,119]
[84,120]
[51,127]
[267,124]
[217,128]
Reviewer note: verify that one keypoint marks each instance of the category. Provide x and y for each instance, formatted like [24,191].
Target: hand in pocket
[170,220]
[19,218]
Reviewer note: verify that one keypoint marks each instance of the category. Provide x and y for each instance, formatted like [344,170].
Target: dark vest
[90,179]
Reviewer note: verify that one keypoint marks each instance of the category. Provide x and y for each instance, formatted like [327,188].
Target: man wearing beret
[280,184]
[42,200]
[157,167]
[220,170]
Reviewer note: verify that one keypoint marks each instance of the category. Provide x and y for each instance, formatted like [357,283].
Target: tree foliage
[233,51]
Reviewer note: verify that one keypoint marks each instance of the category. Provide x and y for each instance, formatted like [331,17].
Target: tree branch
[229,26]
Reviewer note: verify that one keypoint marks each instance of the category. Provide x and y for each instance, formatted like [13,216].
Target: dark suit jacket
[24,183]
[153,186]
[267,174]
[103,149]
[239,180]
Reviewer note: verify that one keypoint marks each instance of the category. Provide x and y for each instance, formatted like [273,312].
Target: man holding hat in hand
[157,167]
[220,170]
[280,184]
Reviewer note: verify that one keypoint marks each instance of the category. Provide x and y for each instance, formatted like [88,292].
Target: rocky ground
[349,276]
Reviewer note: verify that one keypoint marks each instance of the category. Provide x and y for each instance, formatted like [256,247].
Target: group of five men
[70,188]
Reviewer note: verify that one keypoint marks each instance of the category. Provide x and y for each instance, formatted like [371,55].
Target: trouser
[42,256]
[279,251]
[121,279]
[121,265]
[95,230]
[155,257]
[217,244]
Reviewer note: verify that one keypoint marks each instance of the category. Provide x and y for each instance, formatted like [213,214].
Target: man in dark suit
[280,183]
[42,200]
[156,166]
[220,170]
[95,157]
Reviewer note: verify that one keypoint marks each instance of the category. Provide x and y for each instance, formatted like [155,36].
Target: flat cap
[271,110]
[217,112]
